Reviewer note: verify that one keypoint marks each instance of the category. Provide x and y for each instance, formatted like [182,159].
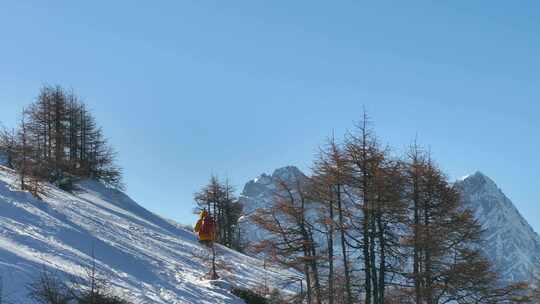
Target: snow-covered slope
[510,242]
[149,259]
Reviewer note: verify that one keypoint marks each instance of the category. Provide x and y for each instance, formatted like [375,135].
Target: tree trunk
[331,254]
[382,260]
[372,255]
[367,257]
[427,263]
[315,270]
[214,275]
[349,298]
[308,283]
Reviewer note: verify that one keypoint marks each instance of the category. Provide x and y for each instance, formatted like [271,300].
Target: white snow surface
[147,258]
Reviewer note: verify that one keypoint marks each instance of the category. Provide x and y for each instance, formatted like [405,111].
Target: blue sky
[186,89]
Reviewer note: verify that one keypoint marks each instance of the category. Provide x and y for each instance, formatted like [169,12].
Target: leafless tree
[291,234]
[330,175]
[444,239]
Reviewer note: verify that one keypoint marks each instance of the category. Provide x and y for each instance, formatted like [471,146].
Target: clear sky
[186,89]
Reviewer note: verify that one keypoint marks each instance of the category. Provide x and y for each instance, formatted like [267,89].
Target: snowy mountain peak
[288,173]
[267,184]
[261,191]
[511,243]
[479,180]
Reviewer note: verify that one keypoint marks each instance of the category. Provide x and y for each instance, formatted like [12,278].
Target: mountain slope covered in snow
[147,258]
[510,242]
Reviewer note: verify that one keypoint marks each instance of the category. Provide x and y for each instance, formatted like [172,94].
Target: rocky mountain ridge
[510,242]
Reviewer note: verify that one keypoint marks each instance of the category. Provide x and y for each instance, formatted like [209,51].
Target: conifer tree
[375,190]
[8,145]
[330,173]
[445,240]
[219,199]
[64,140]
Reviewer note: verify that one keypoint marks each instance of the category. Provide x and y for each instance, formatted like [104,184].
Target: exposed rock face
[262,190]
[510,243]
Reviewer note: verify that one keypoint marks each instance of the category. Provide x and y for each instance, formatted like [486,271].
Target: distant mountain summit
[261,191]
[510,242]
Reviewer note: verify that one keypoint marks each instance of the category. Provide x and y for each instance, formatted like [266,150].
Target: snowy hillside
[149,259]
[511,243]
